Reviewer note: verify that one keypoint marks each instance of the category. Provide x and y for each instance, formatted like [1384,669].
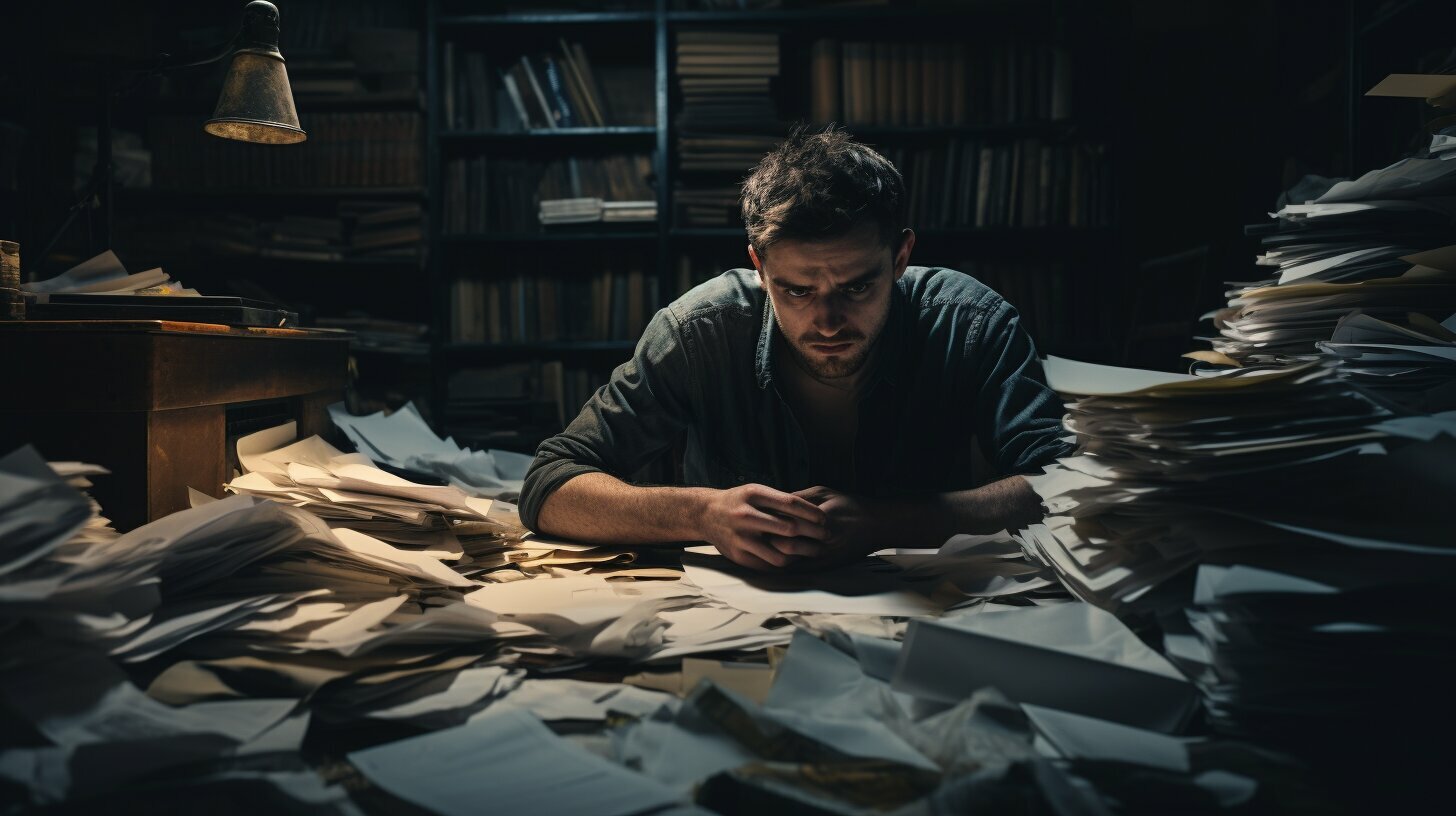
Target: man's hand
[741,522]
[852,529]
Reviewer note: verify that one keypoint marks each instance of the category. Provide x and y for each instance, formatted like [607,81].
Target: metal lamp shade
[256,104]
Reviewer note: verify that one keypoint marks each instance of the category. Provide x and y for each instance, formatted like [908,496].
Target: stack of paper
[1315,518]
[1373,244]
[1172,469]
[105,275]
[403,441]
[77,475]
[1307,655]
[833,736]
[1413,364]
[349,491]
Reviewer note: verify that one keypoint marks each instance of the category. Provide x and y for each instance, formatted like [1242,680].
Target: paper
[1419,86]
[1072,377]
[581,700]
[1074,657]
[403,440]
[509,760]
[450,699]
[1088,738]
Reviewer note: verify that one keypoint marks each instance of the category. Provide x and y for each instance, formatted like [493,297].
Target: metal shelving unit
[451,21]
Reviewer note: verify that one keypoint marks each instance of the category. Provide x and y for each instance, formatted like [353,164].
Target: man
[831,399]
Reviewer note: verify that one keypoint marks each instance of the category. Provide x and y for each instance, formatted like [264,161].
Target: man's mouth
[831,348]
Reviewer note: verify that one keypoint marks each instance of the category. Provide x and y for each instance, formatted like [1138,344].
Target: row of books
[561,211]
[360,229]
[545,91]
[607,303]
[723,152]
[709,206]
[724,79]
[486,195]
[937,83]
[366,149]
[969,183]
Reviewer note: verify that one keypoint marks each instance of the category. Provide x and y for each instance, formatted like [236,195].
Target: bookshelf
[676,45]
[333,228]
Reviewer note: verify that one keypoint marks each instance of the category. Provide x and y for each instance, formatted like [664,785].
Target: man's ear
[902,255]
[757,264]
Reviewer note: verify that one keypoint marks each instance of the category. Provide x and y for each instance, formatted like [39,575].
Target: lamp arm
[259,30]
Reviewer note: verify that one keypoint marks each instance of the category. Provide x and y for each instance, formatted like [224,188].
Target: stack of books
[725,78]
[512,195]
[594,210]
[384,229]
[937,83]
[544,91]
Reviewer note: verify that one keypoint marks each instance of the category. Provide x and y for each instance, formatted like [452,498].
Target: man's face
[831,298]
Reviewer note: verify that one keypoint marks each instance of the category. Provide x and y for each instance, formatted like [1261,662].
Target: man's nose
[829,315]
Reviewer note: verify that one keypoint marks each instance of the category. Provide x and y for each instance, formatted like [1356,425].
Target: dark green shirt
[955,371]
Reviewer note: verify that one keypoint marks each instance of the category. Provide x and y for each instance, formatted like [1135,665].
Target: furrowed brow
[868,277]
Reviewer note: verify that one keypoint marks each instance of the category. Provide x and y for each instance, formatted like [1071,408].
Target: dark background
[1209,109]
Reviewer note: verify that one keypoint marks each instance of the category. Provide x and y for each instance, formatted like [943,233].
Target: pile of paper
[403,440]
[349,491]
[79,606]
[1172,470]
[1315,519]
[1413,365]
[873,726]
[1299,652]
[1376,244]
[105,275]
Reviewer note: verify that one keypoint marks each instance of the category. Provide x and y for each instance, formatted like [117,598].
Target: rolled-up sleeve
[1018,417]
[634,417]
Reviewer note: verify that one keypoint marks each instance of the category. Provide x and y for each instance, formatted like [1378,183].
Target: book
[551,116]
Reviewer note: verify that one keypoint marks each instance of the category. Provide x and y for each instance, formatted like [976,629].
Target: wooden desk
[150,400]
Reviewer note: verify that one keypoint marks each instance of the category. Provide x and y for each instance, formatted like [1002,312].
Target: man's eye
[796,291]
[857,288]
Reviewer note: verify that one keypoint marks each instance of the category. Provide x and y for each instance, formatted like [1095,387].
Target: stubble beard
[832,368]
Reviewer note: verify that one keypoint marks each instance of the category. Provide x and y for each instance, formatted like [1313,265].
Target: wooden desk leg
[184,449]
[312,411]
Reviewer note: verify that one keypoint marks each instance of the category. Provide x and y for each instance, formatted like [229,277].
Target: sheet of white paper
[467,688]
[510,763]
[404,562]
[1079,737]
[586,600]
[867,588]
[553,699]
[1092,379]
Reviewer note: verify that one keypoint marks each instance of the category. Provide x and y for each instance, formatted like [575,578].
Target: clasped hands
[769,530]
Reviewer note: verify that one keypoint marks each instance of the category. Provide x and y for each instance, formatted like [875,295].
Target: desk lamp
[256,103]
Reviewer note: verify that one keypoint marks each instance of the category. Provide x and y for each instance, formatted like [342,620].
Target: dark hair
[822,185]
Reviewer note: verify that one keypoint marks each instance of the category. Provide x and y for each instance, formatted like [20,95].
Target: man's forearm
[927,521]
[600,508]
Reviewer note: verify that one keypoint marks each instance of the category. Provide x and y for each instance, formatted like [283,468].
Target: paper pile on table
[1314,517]
[1373,244]
[403,440]
[349,491]
[1411,364]
[1172,470]
[104,274]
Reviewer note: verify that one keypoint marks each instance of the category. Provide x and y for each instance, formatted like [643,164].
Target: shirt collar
[889,350]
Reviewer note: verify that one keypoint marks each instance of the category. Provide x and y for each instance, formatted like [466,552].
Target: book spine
[566,117]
